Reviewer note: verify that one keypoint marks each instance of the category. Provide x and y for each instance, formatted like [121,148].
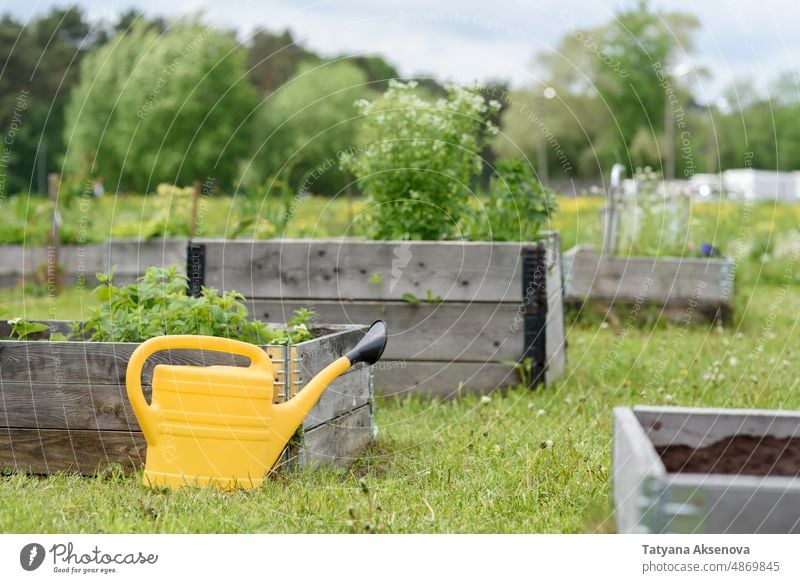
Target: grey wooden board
[45,451]
[441,379]
[734,504]
[73,406]
[633,462]
[19,259]
[445,331]
[350,391]
[342,268]
[75,260]
[92,363]
[339,441]
[646,279]
[555,337]
[132,257]
[697,427]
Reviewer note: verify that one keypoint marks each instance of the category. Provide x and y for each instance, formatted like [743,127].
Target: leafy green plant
[410,298]
[417,157]
[158,304]
[516,208]
[430,297]
[524,369]
[20,328]
[266,210]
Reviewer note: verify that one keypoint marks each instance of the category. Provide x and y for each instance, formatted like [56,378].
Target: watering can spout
[289,415]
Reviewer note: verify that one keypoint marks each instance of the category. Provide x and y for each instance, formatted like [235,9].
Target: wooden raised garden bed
[687,470]
[64,407]
[684,287]
[457,311]
[78,263]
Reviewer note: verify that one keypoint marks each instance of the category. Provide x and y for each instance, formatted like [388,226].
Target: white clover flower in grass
[486,399]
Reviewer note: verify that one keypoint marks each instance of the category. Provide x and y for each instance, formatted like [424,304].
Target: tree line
[142,101]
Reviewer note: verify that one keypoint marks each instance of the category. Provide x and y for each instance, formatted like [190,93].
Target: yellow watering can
[217,425]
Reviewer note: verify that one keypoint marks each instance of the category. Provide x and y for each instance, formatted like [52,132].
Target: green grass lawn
[523,462]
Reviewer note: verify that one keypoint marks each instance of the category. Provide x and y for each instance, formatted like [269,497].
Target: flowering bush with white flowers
[417,157]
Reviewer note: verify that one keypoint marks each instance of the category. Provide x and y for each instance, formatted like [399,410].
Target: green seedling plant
[430,298]
[21,329]
[516,207]
[158,304]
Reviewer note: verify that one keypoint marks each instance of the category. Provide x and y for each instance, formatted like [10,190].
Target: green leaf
[23,328]
[410,298]
[375,278]
[432,298]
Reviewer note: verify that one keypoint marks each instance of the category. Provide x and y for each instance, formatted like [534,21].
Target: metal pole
[613,193]
[53,279]
[41,168]
[669,130]
[541,150]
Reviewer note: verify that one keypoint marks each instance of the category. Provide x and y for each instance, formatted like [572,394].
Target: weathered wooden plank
[735,504]
[350,391]
[634,461]
[132,257]
[90,363]
[73,406]
[441,379]
[343,269]
[339,441]
[700,427]
[555,336]
[47,451]
[428,331]
[646,279]
[79,263]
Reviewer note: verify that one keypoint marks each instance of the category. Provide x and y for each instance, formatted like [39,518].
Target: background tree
[609,103]
[306,123]
[156,108]
[273,58]
[40,64]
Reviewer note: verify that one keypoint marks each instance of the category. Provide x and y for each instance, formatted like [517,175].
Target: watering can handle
[146,414]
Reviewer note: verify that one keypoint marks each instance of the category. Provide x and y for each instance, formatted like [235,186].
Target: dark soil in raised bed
[739,454]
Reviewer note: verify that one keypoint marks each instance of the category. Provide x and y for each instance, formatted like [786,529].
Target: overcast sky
[470,41]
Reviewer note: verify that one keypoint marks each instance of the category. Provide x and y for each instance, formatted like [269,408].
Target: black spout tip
[371,346]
